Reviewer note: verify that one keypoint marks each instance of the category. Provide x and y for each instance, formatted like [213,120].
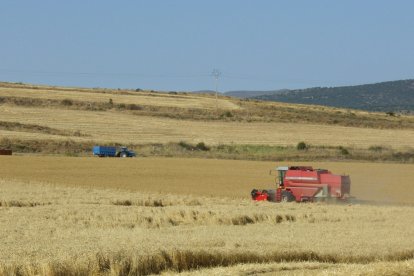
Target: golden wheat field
[107,127]
[53,229]
[111,125]
[383,182]
[103,95]
[64,215]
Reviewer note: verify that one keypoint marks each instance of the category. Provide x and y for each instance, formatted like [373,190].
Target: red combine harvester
[301,183]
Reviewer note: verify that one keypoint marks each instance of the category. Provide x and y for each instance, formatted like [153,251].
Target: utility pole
[216,75]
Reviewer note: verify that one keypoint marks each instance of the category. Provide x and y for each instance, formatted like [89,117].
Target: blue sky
[175,45]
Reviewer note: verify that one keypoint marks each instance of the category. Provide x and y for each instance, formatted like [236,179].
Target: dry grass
[32,128]
[120,97]
[200,150]
[203,177]
[118,127]
[82,232]
[307,268]
[193,106]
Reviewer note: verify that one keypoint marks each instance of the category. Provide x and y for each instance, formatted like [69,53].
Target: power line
[126,74]
[216,74]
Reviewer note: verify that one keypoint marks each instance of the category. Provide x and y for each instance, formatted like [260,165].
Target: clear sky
[175,45]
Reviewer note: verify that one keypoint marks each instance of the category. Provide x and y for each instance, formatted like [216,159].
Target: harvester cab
[281,172]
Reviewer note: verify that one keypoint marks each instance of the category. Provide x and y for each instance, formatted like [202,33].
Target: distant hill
[251,94]
[204,92]
[242,93]
[395,96]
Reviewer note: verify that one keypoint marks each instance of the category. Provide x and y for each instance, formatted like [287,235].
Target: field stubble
[114,127]
[382,182]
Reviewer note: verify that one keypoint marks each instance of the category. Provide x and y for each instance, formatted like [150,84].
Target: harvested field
[128,128]
[204,177]
[55,230]
[309,268]
[108,216]
[139,98]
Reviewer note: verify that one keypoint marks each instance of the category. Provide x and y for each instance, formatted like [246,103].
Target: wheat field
[191,118]
[107,127]
[109,216]
[50,229]
[104,95]
[383,182]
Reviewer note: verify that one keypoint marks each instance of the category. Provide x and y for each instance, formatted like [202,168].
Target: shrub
[202,146]
[134,107]
[111,102]
[185,145]
[138,90]
[227,114]
[123,202]
[67,102]
[375,148]
[343,150]
[302,146]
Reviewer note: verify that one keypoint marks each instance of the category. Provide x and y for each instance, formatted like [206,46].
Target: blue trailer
[103,151]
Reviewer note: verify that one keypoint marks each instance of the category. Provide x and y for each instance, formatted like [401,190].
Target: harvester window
[281,177]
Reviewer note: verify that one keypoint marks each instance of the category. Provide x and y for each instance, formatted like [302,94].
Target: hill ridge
[395,96]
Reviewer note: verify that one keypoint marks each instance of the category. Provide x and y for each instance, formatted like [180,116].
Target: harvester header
[303,183]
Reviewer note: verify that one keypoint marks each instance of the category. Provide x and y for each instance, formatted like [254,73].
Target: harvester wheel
[287,196]
[124,154]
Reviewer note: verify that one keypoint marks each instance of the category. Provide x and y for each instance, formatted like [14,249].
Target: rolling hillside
[391,96]
[63,120]
[251,94]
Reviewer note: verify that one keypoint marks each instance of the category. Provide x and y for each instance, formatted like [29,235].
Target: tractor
[103,151]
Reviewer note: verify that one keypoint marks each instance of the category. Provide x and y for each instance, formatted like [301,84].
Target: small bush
[376,148]
[123,202]
[111,102]
[343,151]
[122,106]
[67,102]
[279,219]
[202,146]
[134,107]
[227,114]
[186,145]
[302,146]
[138,90]
[404,156]
[390,113]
